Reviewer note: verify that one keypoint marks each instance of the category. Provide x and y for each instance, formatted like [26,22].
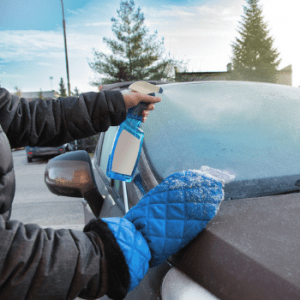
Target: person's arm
[40,264]
[55,122]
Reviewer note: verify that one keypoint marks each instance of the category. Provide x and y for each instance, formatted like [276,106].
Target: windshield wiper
[288,192]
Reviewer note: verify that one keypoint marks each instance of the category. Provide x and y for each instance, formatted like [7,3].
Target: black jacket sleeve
[117,272]
[55,122]
[38,263]
[41,263]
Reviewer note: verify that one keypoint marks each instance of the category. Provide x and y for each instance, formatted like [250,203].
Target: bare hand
[135,98]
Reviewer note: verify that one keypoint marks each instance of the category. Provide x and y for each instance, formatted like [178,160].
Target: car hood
[250,247]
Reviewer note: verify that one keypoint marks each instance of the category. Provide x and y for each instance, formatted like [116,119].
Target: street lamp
[66,51]
[51,77]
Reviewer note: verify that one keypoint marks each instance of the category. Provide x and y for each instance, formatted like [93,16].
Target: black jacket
[38,263]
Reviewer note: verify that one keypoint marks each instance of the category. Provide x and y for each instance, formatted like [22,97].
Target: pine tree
[136,55]
[254,58]
[18,91]
[76,92]
[41,94]
[62,89]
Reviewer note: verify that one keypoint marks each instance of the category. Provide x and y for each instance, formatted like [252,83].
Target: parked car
[87,144]
[33,152]
[250,250]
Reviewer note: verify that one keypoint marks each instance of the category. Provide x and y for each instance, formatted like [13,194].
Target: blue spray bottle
[128,142]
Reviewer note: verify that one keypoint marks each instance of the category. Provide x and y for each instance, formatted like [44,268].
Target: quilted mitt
[175,211]
[134,247]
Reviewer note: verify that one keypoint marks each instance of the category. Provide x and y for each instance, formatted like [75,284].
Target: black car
[250,250]
[33,152]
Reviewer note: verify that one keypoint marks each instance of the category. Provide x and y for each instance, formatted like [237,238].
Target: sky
[198,32]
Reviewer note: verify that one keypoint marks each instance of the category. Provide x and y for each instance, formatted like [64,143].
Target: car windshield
[249,129]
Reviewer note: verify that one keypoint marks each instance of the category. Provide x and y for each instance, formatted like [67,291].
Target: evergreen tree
[136,55]
[18,91]
[41,94]
[254,58]
[62,89]
[76,92]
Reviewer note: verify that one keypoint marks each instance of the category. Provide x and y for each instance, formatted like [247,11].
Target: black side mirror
[71,175]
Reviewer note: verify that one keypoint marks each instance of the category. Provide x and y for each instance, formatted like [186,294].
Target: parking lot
[33,202]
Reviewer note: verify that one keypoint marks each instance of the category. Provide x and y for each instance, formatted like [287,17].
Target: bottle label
[126,153]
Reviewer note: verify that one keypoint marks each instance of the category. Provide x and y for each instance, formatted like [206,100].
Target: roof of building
[45,94]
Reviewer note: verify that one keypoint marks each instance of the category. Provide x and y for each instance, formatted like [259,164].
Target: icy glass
[249,129]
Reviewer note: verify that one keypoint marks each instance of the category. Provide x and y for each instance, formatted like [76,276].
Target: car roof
[125,84]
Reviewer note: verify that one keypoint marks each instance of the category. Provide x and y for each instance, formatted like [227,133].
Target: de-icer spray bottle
[128,142]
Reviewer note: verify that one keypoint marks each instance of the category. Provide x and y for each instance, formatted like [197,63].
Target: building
[45,95]
[284,76]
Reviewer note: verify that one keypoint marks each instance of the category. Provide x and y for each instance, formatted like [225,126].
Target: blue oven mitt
[175,211]
[166,219]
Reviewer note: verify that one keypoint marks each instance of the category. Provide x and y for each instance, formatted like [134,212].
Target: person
[38,263]
[112,255]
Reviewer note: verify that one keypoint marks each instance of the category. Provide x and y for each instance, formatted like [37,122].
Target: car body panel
[178,286]
[251,248]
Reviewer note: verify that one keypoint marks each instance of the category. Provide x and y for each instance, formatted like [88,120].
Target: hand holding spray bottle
[128,142]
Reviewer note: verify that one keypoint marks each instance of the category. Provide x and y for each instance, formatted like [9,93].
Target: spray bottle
[128,142]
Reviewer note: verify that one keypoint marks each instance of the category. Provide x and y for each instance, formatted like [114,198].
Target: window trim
[100,145]
[146,172]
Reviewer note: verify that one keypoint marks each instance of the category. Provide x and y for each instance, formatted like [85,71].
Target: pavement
[34,203]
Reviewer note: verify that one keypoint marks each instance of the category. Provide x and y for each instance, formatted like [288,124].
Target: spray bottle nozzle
[146,88]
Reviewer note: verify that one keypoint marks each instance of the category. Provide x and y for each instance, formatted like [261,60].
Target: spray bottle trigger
[141,107]
[137,111]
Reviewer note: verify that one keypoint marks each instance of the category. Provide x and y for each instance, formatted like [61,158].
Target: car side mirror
[71,174]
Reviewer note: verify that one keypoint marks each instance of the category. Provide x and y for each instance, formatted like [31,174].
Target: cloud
[193,20]
[197,33]
[217,12]
[96,24]
[44,64]
[34,45]
[73,12]
[175,11]
[39,54]
[19,45]
[6,75]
